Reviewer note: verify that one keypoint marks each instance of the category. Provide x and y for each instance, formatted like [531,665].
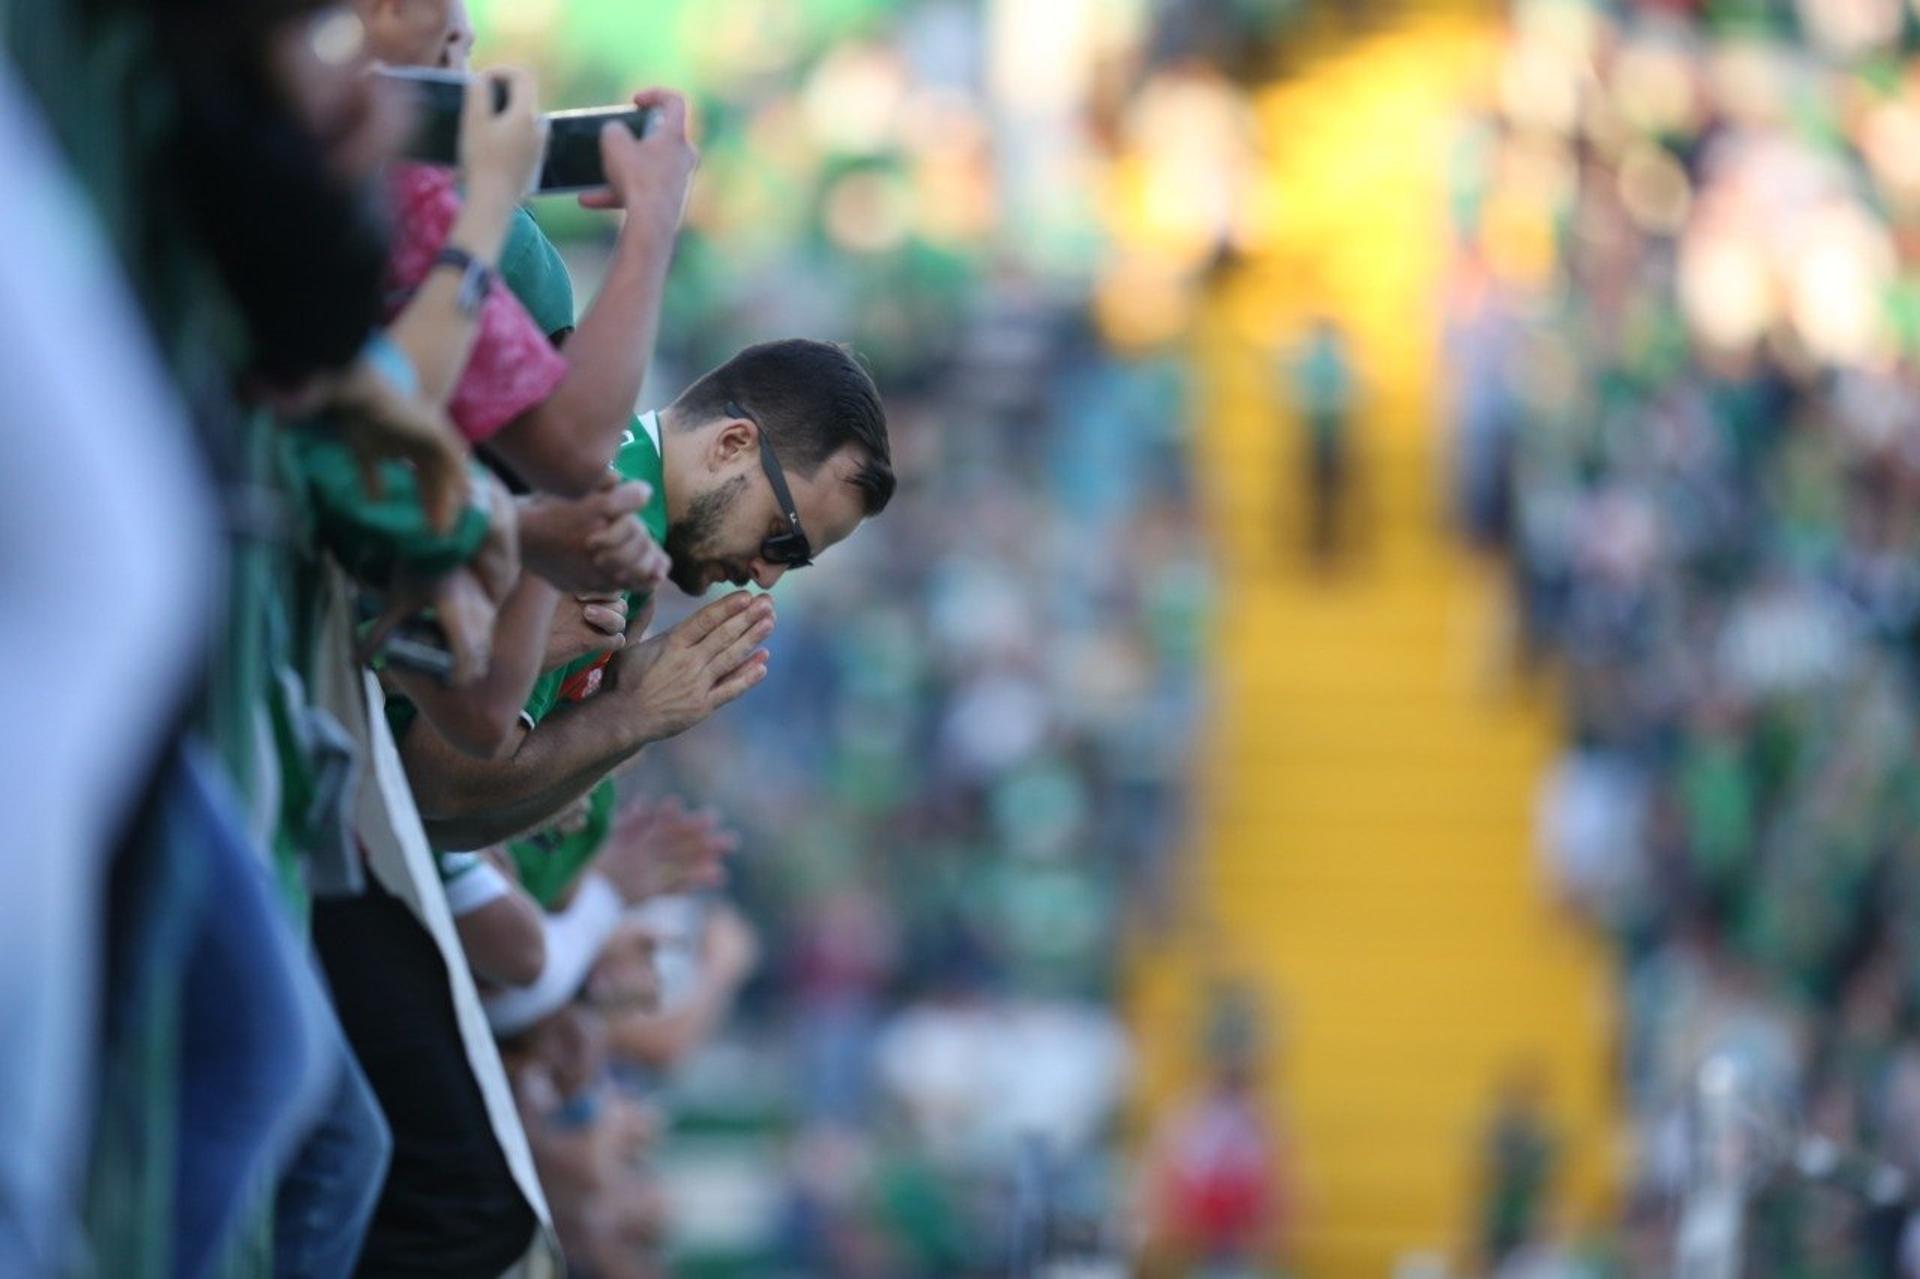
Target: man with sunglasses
[760,466]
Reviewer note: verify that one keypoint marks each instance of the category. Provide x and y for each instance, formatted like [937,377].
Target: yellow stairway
[1365,798]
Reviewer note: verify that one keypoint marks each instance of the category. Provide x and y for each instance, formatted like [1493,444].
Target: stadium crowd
[386,918]
[1685,396]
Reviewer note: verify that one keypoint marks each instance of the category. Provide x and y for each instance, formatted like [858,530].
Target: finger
[720,844]
[616,561]
[446,486]
[604,619]
[670,112]
[498,568]
[497,564]
[637,812]
[420,434]
[703,823]
[733,638]
[466,618]
[601,199]
[627,573]
[476,107]
[701,624]
[761,609]
[601,597]
[445,490]
[617,146]
[759,657]
[751,672]
[375,636]
[522,90]
[736,650]
[629,498]
[590,643]
[643,575]
[620,531]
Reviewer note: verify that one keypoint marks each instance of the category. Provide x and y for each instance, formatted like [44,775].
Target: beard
[690,542]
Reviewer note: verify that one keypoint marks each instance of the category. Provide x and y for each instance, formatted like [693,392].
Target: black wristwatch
[476,277]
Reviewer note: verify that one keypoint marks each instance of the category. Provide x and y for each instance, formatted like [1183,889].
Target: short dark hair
[812,399]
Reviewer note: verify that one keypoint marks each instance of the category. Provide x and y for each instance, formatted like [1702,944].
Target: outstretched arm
[655,690]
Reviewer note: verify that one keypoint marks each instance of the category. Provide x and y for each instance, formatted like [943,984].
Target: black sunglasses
[790,549]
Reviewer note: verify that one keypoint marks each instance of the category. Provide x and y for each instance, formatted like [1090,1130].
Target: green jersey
[638,459]
[550,861]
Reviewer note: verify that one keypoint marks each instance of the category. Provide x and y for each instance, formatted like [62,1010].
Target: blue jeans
[253,1031]
[327,1197]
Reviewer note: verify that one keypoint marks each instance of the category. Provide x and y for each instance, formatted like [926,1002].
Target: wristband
[476,277]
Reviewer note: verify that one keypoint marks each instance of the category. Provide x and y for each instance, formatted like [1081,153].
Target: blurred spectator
[121,429]
[1517,1173]
[1219,1175]
[1683,313]
[1324,396]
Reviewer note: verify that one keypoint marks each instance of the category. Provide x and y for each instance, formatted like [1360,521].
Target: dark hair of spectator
[813,399]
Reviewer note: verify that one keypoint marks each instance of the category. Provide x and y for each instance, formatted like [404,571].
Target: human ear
[735,438]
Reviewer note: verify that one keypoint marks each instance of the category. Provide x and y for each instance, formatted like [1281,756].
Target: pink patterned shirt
[512,366]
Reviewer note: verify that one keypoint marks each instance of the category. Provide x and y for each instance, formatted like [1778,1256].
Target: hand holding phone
[503,136]
[648,174]
[438,101]
[453,130]
[576,146]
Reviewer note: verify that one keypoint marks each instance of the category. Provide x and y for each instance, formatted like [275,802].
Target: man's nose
[765,574]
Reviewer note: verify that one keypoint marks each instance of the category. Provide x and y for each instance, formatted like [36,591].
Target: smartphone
[438,98]
[572,160]
[573,146]
[417,644]
[420,647]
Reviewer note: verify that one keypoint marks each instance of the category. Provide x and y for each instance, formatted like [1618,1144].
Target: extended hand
[649,177]
[593,544]
[500,151]
[675,680]
[381,422]
[657,849]
[585,626]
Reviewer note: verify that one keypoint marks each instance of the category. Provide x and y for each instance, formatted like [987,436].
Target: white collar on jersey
[650,423]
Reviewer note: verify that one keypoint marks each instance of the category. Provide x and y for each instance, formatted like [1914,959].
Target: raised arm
[564,444]
[499,154]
